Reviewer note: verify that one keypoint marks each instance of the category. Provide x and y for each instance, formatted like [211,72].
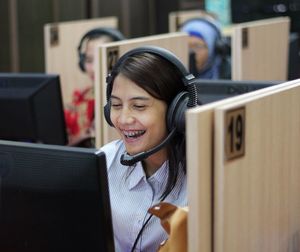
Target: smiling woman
[137,117]
[148,91]
[79,113]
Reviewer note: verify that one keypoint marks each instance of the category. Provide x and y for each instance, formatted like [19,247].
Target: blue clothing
[132,194]
[209,31]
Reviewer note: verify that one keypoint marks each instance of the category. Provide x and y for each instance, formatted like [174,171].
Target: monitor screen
[294,56]
[53,198]
[31,108]
[214,90]
[249,10]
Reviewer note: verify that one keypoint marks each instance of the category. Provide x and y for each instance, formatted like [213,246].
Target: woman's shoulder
[112,146]
[113,150]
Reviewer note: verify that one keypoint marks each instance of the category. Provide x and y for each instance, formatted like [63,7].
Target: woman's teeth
[133,134]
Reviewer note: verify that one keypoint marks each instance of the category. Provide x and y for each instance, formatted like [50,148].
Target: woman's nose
[126,117]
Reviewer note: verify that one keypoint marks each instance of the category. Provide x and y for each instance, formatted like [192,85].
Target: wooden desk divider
[60,46]
[257,203]
[250,201]
[108,54]
[259,49]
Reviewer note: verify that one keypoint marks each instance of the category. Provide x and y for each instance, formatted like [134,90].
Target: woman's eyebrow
[114,97]
[143,98]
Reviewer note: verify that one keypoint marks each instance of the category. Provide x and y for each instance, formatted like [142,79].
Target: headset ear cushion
[176,112]
[107,114]
[223,47]
[81,62]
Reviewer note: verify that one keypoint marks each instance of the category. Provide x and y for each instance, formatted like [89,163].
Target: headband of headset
[113,33]
[206,20]
[164,53]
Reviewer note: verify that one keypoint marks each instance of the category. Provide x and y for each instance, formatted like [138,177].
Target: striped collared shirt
[132,194]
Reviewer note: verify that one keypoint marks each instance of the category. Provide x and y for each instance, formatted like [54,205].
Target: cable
[142,229]
[140,233]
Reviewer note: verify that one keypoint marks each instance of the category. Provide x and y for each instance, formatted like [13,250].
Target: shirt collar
[136,174]
[158,180]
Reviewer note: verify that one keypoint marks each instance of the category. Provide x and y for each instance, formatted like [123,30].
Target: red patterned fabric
[79,115]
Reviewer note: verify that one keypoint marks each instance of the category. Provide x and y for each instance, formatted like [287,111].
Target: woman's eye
[139,107]
[116,106]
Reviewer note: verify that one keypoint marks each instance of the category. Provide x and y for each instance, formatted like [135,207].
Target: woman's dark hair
[163,80]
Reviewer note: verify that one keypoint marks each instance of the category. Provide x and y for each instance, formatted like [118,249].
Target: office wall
[22,24]
[29,30]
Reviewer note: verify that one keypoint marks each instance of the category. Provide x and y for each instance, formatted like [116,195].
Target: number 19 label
[235,133]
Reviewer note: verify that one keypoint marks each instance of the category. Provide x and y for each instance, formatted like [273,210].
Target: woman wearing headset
[79,114]
[209,51]
[148,163]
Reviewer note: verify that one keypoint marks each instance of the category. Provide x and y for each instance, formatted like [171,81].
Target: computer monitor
[294,56]
[249,10]
[31,108]
[53,198]
[213,90]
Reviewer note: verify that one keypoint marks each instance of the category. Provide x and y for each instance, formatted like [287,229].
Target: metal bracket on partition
[245,38]
[54,35]
[112,57]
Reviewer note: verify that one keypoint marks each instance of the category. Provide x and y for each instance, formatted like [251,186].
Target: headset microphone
[130,160]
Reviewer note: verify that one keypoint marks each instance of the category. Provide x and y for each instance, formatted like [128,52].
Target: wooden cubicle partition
[177,18]
[257,180]
[259,49]
[200,155]
[107,56]
[223,193]
[61,56]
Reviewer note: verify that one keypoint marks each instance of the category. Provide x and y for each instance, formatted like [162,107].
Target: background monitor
[294,56]
[53,198]
[214,90]
[31,108]
[249,10]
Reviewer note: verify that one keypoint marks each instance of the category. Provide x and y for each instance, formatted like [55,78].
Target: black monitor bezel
[21,170]
[38,97]
[211,90]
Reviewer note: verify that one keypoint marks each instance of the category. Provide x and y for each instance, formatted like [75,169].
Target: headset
[175,114]
[222,45]
[114,34]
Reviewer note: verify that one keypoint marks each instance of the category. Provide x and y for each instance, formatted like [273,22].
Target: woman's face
[201,51]
[89,54]
[139,118]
